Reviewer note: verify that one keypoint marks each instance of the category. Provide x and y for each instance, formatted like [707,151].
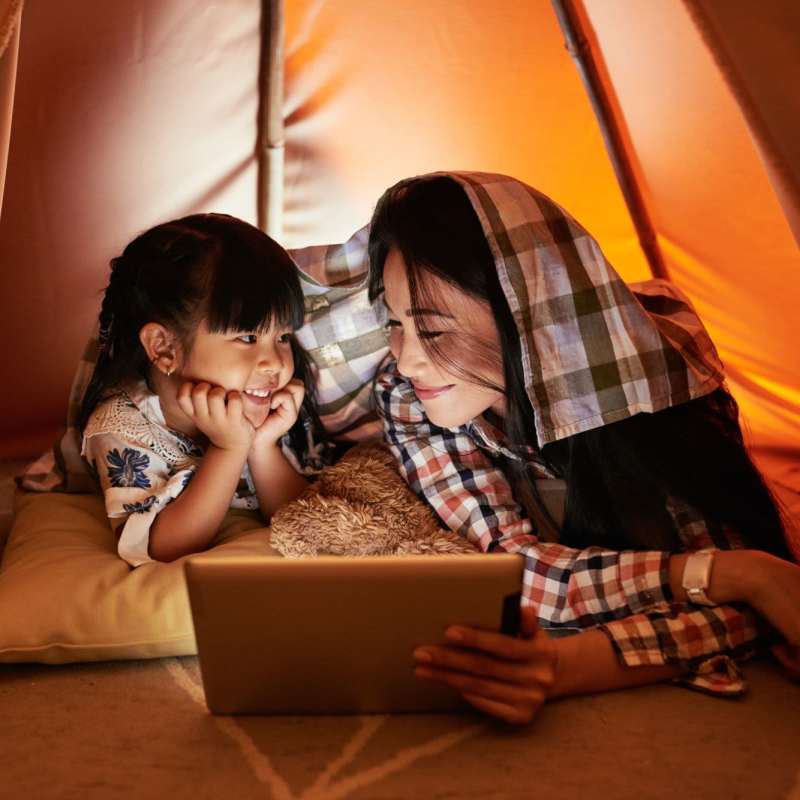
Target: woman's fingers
[502,675]
[508,713]
[520,702]
[498,644]
[474,663]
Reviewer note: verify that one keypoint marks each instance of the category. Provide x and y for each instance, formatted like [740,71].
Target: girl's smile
[429,392]
[256,364]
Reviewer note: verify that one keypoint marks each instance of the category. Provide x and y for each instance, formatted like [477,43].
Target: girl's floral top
[142,466]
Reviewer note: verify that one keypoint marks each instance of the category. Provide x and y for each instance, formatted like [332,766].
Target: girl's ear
[161,345]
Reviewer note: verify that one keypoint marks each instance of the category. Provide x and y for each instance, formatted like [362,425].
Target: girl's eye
[247,338]
[285,338]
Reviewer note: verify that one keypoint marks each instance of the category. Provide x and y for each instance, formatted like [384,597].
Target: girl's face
[257,364]
[461,326]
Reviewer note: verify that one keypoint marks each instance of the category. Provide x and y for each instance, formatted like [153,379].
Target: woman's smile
[429,392]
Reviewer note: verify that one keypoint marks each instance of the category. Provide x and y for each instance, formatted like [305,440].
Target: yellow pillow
[66,596]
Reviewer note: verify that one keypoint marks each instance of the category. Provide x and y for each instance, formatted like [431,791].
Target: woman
[522,358]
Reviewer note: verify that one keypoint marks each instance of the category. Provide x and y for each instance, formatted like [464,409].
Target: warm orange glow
[419,86]
[720,226]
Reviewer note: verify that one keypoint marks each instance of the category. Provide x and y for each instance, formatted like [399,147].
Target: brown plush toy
[361,507]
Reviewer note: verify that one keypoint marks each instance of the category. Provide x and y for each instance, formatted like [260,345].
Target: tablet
[336,634]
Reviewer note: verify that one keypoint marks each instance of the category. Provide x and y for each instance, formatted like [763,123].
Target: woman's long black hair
[210,267]
[620,477]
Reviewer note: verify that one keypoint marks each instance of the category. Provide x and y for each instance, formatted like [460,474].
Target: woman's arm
[510,678]
[581,588]
[765,582]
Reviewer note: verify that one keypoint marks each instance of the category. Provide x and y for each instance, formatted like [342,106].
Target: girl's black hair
[210,267]
[620,477]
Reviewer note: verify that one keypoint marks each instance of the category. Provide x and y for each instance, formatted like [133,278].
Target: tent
[672,134]
[668,127]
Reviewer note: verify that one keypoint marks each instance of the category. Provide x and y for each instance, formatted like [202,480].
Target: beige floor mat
[141,730]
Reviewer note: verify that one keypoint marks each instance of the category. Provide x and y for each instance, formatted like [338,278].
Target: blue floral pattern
[127,469]
[189,447]
[140,508]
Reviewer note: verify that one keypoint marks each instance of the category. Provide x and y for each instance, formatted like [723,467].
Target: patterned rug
[141,730]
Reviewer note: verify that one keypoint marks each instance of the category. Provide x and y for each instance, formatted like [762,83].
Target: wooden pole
[270,142]
[581,52]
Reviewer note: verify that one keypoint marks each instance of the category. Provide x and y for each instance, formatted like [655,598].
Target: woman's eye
[392,323]
[247,338]
[430,334]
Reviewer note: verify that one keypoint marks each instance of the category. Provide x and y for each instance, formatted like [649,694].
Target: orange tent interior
[128,114]
[117,115]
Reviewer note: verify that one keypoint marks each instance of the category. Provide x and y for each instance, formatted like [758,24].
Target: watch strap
[696,576]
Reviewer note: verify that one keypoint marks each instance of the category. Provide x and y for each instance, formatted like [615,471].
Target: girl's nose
[269,360]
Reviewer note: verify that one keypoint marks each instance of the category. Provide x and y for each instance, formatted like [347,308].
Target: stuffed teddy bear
[361,507]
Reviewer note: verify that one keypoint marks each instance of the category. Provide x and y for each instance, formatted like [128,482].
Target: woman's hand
[504,676]
[789,658]
[217,414]
[775,594]
[284,408]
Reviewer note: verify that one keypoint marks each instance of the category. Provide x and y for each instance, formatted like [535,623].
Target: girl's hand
[284,408]
[218,414]
[504,676]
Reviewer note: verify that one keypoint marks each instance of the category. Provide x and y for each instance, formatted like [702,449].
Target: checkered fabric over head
[343,334]
[593,352]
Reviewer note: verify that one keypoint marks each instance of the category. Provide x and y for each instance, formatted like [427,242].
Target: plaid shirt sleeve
[626,593]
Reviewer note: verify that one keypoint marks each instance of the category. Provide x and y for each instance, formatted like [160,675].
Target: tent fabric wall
[419,86]
[10,15]
[720,226]
[126,114]
[751,49]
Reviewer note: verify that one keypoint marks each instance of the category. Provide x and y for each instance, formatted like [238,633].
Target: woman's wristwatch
[696,575]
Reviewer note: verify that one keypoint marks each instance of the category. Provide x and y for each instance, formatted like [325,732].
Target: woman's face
[461,326]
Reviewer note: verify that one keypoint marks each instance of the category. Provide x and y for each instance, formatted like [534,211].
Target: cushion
[67,596]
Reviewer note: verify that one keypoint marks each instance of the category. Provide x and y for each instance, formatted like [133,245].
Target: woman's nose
[411,358]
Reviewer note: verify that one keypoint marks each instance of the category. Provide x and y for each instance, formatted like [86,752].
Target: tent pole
[581,52]
[269,140]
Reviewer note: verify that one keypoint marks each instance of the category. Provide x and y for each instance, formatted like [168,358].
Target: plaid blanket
[343,333]
[592,351]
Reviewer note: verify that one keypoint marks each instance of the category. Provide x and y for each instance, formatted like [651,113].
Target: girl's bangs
[254,292]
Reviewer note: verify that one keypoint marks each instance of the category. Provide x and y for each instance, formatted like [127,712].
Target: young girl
[522,360]
[199,400]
